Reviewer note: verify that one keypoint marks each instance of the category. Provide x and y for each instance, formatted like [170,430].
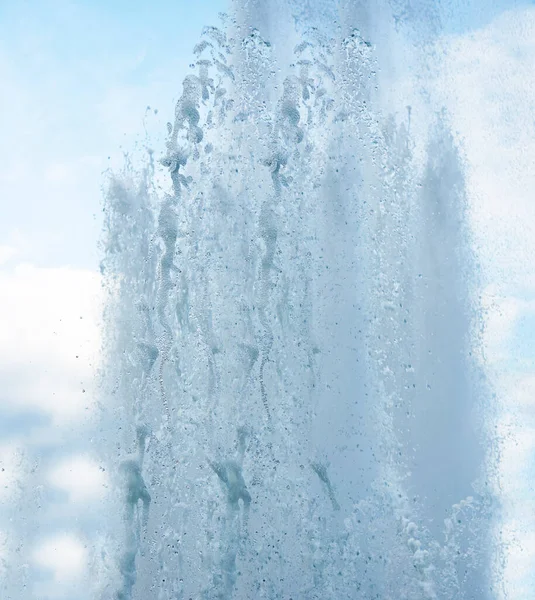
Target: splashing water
[289,334]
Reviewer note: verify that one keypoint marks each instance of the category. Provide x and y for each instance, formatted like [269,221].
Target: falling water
[292,401]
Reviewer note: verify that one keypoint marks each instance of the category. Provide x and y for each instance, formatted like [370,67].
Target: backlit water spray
[293,403]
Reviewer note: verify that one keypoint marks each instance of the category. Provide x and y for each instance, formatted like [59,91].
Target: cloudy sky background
[77,78]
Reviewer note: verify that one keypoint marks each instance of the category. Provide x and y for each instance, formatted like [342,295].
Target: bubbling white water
[289,328]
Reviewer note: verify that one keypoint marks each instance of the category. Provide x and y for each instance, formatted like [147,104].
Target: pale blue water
[291,406]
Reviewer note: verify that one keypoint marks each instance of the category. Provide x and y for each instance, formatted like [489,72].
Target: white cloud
[487,83]
[502,314]
[65,555]
[49,350]
[524,396]
[7,253]
[57,173]
[49,341]
[81,477]
[518,569]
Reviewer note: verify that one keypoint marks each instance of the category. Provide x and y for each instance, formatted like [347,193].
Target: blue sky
[76,79]
[460,16]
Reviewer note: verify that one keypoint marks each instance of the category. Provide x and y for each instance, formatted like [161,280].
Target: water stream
[292,404]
